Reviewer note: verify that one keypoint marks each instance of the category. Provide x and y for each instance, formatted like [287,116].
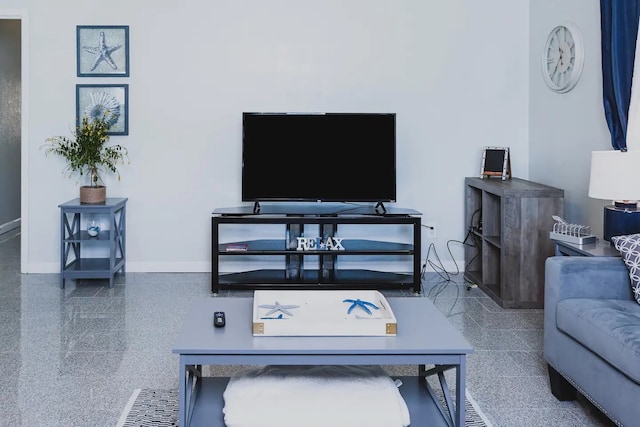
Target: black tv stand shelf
[326,274]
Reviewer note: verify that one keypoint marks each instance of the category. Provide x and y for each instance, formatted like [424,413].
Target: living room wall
[566,128]
[456,73]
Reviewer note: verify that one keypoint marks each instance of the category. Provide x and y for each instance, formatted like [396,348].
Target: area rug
[159,408]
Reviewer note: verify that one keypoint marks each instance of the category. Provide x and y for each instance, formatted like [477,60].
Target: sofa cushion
[629,247]
[609,328]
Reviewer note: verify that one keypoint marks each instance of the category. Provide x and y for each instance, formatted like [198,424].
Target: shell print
[101,104]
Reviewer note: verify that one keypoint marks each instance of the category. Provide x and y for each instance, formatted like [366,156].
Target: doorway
[13,145]
[10,107]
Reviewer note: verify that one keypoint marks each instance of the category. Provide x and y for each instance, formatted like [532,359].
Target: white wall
[455,72]
[565,128]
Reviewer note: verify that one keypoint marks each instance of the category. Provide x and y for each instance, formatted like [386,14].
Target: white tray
[322,313]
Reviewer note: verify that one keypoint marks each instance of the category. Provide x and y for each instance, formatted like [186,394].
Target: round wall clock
[563,57]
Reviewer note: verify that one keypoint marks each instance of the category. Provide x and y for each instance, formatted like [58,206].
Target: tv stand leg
[380,208]
[256,208]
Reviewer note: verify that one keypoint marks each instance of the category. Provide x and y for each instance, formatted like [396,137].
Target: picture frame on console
[496,162]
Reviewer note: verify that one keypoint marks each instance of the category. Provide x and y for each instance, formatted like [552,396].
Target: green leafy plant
[86,152]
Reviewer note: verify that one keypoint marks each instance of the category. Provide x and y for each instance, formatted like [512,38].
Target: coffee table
[424,337]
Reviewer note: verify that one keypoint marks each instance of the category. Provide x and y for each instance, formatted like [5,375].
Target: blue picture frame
[102,51]
[94,100]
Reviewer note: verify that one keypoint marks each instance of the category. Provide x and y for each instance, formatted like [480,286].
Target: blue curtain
[619,27]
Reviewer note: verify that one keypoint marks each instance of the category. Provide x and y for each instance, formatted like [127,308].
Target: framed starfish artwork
[102,51]
[98,100]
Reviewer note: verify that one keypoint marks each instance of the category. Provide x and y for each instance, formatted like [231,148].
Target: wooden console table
[508,222]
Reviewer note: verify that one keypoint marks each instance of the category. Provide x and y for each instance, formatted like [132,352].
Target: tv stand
[256,208]
[323,247]
[380,207]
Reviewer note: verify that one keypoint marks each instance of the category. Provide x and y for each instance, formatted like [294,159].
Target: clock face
[563,58]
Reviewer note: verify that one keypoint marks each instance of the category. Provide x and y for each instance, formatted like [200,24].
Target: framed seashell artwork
[102,51]
[106,100]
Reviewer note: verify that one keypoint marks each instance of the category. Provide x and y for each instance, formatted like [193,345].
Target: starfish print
[362,304]
[278,307]
[102,52]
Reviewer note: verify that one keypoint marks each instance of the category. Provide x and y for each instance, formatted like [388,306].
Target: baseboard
[190,267]
[132,267]
[205,267]
[8,226]
[168,267]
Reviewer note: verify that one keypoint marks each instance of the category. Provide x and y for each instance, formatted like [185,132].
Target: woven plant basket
[93,195]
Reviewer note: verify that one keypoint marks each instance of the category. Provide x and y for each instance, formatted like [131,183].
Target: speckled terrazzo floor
[73,356]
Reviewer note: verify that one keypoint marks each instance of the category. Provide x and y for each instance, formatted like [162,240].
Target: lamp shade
[615,175]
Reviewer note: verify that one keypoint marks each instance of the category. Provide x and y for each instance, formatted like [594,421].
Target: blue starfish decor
[273,308]
[102,52]
[361,304]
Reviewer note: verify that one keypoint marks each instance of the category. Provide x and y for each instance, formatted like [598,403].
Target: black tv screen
[326,157]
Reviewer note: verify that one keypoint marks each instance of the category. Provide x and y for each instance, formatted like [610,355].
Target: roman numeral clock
[563,57]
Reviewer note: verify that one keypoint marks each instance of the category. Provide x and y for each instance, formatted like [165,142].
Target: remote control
[218,319]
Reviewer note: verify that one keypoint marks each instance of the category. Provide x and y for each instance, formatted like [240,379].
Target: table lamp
[615,175]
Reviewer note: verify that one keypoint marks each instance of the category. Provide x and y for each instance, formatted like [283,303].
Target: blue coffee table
[424,337]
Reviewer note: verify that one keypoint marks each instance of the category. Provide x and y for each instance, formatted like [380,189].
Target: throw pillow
[629,247]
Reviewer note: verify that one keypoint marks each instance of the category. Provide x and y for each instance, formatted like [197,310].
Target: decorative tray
[322,313]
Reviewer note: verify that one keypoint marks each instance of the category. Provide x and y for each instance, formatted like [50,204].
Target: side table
[83,256]
[600,248]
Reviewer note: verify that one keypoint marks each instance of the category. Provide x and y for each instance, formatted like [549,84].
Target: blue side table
[600,248]
[81,251]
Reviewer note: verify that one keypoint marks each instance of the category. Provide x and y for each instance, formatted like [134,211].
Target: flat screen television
[319,157]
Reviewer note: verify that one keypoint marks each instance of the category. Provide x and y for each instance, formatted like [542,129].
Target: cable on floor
[447,276]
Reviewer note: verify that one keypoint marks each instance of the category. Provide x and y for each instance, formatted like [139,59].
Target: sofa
[592,334]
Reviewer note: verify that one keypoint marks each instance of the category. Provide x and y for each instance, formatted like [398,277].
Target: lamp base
[629,206]
[620,221]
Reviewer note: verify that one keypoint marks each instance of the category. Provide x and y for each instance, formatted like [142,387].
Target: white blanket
[310,396]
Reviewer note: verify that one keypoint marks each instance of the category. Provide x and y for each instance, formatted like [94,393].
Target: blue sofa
[592,334]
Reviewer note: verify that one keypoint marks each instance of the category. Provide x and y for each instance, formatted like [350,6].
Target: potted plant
[88,155]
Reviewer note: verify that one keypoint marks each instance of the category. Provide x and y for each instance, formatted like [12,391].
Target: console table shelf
[293,274]
[91,264]
[423,409]
[312,279]
[277,247]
